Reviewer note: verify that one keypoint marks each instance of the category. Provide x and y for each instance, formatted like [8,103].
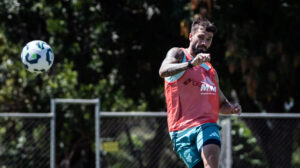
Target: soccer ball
[37,56]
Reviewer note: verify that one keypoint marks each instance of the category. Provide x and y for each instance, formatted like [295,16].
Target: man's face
[200,40]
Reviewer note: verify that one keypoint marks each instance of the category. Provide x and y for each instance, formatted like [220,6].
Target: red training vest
[192,99]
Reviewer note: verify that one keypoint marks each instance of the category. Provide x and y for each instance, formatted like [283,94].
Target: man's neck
[190,51]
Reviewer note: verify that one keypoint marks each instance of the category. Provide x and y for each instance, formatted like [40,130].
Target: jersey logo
[207,86]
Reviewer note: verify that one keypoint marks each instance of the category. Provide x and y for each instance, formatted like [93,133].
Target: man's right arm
[172,65]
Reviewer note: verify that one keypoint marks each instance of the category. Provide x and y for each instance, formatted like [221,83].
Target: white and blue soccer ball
[37,56]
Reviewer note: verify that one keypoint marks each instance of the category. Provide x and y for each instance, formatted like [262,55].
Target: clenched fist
[200,58]
[236,109]
[228,108]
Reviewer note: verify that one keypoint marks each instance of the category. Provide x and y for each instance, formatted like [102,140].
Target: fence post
[228,144]
[52,146]
[97,133]
[96,102]
[226,154]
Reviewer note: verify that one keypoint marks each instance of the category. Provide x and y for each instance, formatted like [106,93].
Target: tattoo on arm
[174,69]
[172,64]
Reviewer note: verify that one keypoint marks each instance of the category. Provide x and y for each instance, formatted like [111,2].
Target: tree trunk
[134,152]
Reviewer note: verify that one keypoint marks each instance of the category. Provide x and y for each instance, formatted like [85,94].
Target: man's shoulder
[176,52]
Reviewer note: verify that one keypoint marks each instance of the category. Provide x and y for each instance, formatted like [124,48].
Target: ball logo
[40,45]
[33,59]
[49,55]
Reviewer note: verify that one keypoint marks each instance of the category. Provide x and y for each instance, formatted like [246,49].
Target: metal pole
[229,144]
[52,146]
[76,101]
[225,160]
[97,133]
[133,114]
[28,115]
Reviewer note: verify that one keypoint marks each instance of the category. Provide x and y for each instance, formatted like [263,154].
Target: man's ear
[190,36]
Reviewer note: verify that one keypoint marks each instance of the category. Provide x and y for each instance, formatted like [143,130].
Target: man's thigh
[208,134]
[210,155]
[185,146]
[188,143]
[209,143]
[190,155]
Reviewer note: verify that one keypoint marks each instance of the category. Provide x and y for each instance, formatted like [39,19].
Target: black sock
[199,165]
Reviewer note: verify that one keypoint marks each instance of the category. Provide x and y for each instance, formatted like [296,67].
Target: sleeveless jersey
[192,99]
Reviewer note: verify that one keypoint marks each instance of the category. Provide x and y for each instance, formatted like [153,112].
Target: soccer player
[194,99]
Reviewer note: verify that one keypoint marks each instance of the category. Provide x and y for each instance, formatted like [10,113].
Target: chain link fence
[131,141]
[141,140]
[24,141]
[136,142]
[260,142]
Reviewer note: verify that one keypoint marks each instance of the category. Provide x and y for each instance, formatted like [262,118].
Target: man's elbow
[162,74]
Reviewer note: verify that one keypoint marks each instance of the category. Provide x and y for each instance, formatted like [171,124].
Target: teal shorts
[189,142]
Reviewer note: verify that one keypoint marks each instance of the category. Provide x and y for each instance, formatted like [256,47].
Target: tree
[113,49]
[263,62]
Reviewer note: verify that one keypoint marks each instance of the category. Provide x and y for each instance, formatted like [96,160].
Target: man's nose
[203,42]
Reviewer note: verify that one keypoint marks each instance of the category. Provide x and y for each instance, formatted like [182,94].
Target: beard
[197,50]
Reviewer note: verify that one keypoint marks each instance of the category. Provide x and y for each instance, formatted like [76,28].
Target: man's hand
[236,109]
[228,108]
[200,58]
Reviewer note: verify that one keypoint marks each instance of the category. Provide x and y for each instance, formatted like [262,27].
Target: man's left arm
[225,106]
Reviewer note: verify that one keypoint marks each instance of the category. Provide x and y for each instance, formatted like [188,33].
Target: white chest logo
[207,86]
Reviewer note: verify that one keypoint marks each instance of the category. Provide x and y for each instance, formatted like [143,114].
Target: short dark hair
[210,27]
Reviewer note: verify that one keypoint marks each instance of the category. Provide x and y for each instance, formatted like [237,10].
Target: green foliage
[112,50]
[296,147]
[24,141]
[255,43]
[245,151]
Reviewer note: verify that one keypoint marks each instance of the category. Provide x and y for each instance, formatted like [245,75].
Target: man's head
[201,35]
